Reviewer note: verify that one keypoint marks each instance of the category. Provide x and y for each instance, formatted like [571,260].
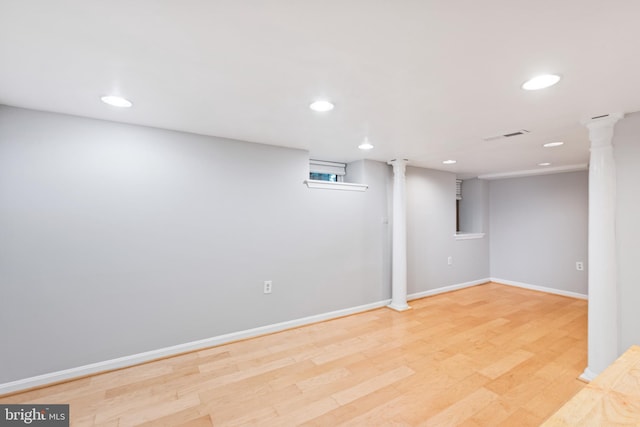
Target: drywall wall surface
[355,172]
[431,222]
[539,230]
[118,239]
[626,143]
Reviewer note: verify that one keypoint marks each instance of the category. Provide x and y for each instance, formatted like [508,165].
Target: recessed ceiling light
[544,164]
[366,145]
[449,162]
[116,101]
[541,82]
[553,144]
[321,106]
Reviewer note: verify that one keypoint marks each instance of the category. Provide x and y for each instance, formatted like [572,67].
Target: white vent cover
[507,135]
[458,189]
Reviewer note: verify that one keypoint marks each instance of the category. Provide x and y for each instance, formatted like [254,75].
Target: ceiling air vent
[507,135]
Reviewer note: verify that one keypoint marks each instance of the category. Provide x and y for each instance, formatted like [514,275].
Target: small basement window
[330,176]
[320,170]
[470,209]
[458,198]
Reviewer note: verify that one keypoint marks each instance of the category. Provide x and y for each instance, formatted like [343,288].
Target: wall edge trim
[449,288]
[540,288]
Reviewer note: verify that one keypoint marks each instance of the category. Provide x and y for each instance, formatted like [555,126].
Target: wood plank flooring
[490,355]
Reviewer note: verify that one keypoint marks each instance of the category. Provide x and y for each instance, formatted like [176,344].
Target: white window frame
[335,168]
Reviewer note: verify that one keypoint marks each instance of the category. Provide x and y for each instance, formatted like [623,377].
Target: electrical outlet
[450,260]
[267,286]
[579,265]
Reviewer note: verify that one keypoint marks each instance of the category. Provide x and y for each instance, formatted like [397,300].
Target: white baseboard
[540,288]
[447,289]
[588,375]
[135,359]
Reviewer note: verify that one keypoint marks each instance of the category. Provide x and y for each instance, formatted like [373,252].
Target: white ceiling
[424,80]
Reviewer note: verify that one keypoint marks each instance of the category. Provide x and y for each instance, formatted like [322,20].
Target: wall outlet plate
[268,286]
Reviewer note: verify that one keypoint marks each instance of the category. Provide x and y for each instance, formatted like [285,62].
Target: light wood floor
[490,355]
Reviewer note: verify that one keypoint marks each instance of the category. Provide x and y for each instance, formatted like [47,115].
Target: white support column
[603,293]
[399,248]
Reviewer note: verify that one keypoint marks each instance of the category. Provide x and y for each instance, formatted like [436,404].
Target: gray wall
[539,230]
[119,239]
[627,154]
[431,225]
